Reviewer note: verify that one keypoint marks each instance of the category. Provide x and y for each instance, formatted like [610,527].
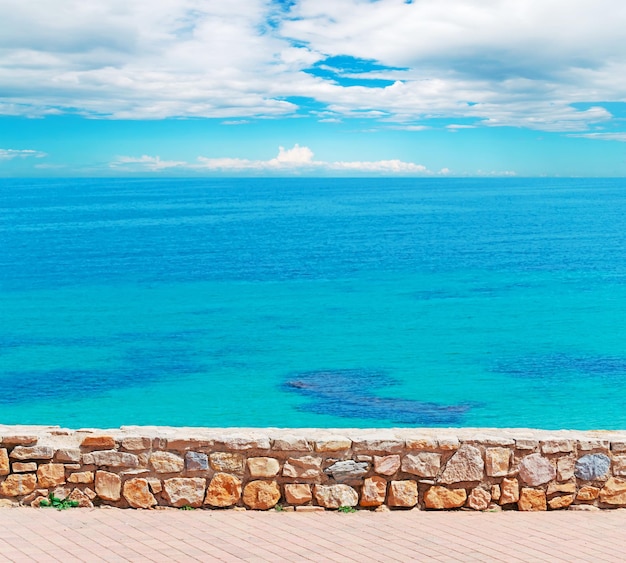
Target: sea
[313,302]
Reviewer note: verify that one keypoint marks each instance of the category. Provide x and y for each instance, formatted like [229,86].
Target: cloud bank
[10,154]
[295,160]
[533,64]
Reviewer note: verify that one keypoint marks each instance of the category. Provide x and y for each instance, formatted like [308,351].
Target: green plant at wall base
[187,507]
[279,508]
[346,509]
[59,504]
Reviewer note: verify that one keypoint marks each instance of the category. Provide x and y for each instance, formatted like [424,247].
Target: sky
[312,87]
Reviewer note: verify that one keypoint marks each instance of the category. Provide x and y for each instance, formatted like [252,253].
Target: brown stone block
[224,490]
[135,443]
[614,492]
[51,475]
[5,468]
[465,465]
[422,464]
[263,467]
[306,467]
[184,491]
[261,495]
[166,462]
[334,496]
[386,465]
[479,499]
[81,498]
[561,502]
[588,493]
[497,461]
[509,491]
[83,477]
[17,485]
[402,493]
[23,440]
[22,453]
[24,467]
[227,462]
[441,498]
[98,442]
[374,491]
[108,485]
[299,493]
[532,500]
[137,493]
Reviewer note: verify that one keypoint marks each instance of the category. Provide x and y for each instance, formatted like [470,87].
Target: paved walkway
[172,535]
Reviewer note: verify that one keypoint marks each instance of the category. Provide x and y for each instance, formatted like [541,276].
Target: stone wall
[312,469]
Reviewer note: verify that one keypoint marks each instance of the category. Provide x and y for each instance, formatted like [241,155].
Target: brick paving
[172,535]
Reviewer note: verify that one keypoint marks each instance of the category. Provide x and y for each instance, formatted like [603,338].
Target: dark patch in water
[349,393]
[561,366]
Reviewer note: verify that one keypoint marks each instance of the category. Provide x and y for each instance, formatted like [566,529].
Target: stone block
[334,496]
[81,498]
[588,493]
[182,444]
[263,467]
[50,475]
[16,485]
[479,499]
[347,471]
[465,465]
[497,461]
[137,493]
[448,443]
[509,491]
[532,500]
[19,440]
[526,444]
[155,485]
[22,453]
[588,445]
[196,461]
[5,468]
[299,493]
[224,490]
[421,443]
[402,493]
[374,491]
[333,444]
[24,467]
[441,498]
[565,467]
[558,503]
[71,455]
[307,467]
[496,493]
[557,446]
[291,443]
[386,465]
[227,462]
[181,491]
[618,446]
[569,487]
[261,495]
[111,458]
[536,470]
[108,485]
[166,462]
[98,442]
[247,443]
[422,464]
[136,443]
[378,446]
[593,467]
[614,492]
[619,465]
[83,477]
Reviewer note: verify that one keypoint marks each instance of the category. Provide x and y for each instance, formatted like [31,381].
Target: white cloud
[621,137]
[295,160]
[499,62]
[9,154]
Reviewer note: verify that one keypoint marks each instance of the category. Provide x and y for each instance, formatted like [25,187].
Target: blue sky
[313,87]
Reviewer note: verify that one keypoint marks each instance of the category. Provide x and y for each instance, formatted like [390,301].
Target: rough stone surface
[558,503]
[196,461]
[373,491]
[307,467]
[569,487]
[619,465]
[440,498]
[565,468]
[376,445]
[22,440]
[5,468]
[421,443]
[386,465]
[108,485]
[557,446]
[593,467]
[166,462]
[509,491]
[333,444]
[497,461]
[111,458]
[465,465]
[402,493]
[263,467]
[347,471]
[536,470]
[448,443]
[135,443]
[299,493]
[81,498]
[531,500]
[614,492]
[181,491]
[334,496]
[137,493]
[24,467]
[224,490]
[155,485]
[479,499]
[261,495]
[227,462]
[98,442]
[292,443]
[50,475]
[16,485]
[83,477]
[423,464]
[71,455]
[588,493]
[35,452]
[496,492]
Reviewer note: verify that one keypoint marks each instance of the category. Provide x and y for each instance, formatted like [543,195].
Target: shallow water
[313,302]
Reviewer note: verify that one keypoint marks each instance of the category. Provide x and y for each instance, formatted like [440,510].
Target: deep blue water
[313,302]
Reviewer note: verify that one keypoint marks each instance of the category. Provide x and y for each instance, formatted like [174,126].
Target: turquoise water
[313,302]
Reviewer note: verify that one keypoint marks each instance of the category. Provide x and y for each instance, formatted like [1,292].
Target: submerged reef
[350,393]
